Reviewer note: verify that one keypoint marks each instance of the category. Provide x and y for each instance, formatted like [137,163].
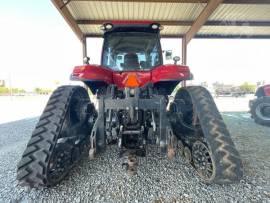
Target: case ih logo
[2,83]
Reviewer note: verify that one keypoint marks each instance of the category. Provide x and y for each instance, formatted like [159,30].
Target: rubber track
[228,166]
[32,169]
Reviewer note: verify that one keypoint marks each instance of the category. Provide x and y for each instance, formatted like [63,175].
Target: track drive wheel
[260,111]
[213,153]
[59,140]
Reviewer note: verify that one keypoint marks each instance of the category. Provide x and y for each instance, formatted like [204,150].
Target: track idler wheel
[60,162]
[202,160]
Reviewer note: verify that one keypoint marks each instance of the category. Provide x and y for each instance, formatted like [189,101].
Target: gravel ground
[158,180]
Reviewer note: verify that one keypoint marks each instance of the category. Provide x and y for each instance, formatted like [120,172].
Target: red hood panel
[93,72]
[170,72]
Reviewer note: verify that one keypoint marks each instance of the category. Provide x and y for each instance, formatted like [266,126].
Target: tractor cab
[131,48]
[131,52]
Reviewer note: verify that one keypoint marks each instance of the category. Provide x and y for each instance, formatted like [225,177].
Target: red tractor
[260,107]
[132,86]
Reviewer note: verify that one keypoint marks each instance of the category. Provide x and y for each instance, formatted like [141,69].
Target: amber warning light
[132,81]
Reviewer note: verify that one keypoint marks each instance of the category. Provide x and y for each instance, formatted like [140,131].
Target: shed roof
[197,18]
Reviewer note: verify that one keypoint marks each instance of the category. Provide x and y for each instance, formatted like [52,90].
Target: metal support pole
[184,55]
[84,45]
[184,51]
[10,86]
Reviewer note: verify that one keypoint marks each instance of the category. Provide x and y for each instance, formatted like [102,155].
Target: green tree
[42,91]
[4,90]
[248,88]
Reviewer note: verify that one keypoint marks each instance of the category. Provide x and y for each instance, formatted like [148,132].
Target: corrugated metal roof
[134,10]
[241,31]
[249,12]
[91,29]
[237,19]
[174,30]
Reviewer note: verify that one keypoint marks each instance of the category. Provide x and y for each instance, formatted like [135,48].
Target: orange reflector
[132,81]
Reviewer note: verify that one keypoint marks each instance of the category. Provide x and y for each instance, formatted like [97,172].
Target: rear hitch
[172,145]
[131,163]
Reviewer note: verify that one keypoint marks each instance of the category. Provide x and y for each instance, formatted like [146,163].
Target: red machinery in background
[260,107]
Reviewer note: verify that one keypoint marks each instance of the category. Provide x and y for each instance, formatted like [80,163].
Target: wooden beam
[267,36]
[189,23]
[68,17]
[215,36]
[200,36]
[246,2]
[203,17]
[189,1]
[239,23]
[65,4]
[151,1]
[100,22]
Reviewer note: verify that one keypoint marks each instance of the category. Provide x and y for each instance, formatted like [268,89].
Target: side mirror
[86,60]
[176,59]
[168,54]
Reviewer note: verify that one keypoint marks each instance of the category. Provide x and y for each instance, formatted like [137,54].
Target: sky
[38,49]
